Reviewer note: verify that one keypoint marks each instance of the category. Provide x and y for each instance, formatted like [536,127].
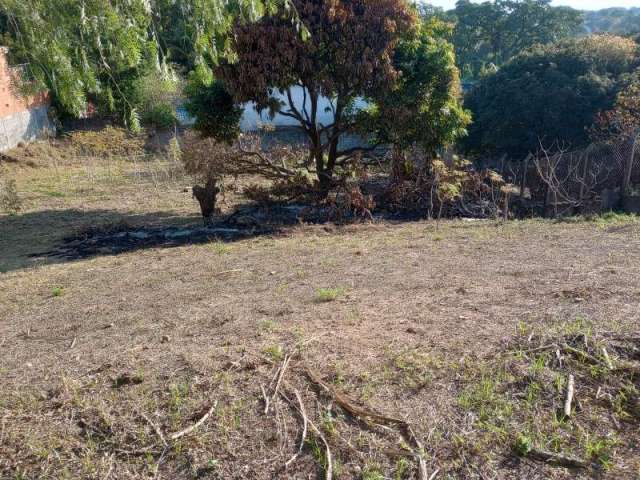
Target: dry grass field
[374,351]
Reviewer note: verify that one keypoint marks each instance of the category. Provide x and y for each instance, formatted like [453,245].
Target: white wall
[24,127]
[251,119]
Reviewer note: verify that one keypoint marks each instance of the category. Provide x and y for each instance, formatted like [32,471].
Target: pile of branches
[437,188]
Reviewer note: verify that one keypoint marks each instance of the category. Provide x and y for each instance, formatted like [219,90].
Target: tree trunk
[206,196]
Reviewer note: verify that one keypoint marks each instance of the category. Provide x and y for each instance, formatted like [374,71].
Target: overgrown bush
[549,93]
[216,115]
[436,188]
[160,116]
[157,94]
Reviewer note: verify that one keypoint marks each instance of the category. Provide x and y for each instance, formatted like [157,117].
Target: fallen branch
[569,399]
[108,474]
[226,272]
[365,413]
[607,358]
[557,459]
[534,350]
[280,376]
[187,431]
[305,421]
[422,463]
[350,407]
[266,399]
[582,354]
[285,364]
[155,428]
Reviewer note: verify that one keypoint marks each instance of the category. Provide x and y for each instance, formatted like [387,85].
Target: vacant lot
[462,336]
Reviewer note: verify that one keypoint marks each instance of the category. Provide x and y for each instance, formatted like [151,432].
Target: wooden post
[626,181]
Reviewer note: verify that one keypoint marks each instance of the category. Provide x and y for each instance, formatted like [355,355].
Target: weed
[267,326]
[415,367]
[318,452]
[402,466]
[522,328]
[276,352]
[328,424]
[177,394]
[533,393]
[483,398]
[220,248]
[600,449]
[9,200]
[523,445]
[623,403]
[57,291]
[538,365]
[323,295]
[372,472]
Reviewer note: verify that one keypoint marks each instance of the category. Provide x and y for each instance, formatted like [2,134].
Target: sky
[579,4]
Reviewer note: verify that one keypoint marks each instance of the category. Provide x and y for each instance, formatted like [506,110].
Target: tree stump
[206,196]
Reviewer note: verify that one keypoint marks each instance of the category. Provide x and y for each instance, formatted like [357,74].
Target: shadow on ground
[58,236]
[35,238]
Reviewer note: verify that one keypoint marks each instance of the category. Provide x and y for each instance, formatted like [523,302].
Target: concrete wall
[23,118]
[25,126]
[252,120]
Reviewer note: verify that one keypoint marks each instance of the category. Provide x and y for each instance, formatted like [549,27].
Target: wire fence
[562,182]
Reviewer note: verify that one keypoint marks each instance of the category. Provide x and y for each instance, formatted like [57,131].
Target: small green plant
[177,394]
[324,295]
[275,352]
[372,472]
[57,291]
[267,326]
[600,449]
[328,423]
[538,365]
[533,393]
[523,445]
[402,467]
[220,248]
[318,452]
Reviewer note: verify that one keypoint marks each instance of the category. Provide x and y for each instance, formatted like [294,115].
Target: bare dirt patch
[418,319]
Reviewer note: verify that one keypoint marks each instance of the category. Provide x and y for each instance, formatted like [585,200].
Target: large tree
[549,94]
[346,53]
[492,32]
[424,109]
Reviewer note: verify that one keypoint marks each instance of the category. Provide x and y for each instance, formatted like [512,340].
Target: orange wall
[11,101]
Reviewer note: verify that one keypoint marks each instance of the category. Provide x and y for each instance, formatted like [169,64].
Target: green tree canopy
[492,32]
[98,50]
[548,94]
[347,54]
[424,109]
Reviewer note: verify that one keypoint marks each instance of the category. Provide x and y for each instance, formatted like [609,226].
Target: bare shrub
[438,188]
[575,180]
[210,161]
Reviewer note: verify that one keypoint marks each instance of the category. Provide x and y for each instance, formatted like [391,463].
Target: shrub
[160,116]
[548,94]
[9,199]
[216,115]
